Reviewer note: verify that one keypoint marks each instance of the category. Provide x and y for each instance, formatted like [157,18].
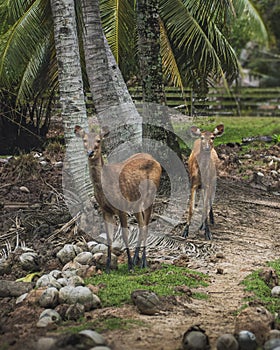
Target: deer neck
[95,170]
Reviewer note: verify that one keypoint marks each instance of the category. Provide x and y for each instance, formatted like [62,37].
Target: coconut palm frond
[30,79]
[14,9]
[174,245]
[118,19]
[170,68]
[256,24]
[190,37]
[20,40]
[199,40]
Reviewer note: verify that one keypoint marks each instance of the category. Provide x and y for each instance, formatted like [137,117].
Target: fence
[244,101]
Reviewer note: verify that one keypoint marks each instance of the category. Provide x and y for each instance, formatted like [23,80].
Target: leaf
[29,278]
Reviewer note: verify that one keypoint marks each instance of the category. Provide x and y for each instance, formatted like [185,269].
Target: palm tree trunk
[157,124]
[73,108]
[113,103]
[149,50]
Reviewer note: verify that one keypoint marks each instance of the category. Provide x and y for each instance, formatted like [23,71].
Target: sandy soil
[245,237]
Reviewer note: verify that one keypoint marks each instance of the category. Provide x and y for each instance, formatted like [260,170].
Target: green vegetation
[116,288]
[237,128]
[276,138]
[260,292]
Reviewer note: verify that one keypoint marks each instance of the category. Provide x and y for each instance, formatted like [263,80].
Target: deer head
[207,137]
[92,141]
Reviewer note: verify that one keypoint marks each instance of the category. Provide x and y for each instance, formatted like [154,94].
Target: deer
[121,188]
[202,166]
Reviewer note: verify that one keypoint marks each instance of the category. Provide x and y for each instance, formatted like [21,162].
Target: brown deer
[121,188]
[202,165]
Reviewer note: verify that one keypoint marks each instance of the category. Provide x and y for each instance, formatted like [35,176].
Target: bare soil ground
[245,237]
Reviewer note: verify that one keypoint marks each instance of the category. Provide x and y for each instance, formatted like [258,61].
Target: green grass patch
[116,287]
[237,128]
[260,291]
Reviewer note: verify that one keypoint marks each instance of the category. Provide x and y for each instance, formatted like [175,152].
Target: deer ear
[219,130]
[195,131]
[79,132]
[104,132]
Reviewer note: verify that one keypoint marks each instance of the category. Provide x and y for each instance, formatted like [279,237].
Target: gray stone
[275,292]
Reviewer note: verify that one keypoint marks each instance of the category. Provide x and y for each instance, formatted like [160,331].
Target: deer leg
[191,210]
[140,217]
[211,216]
[207,232]
[123,220]
[146,215]
[109,226]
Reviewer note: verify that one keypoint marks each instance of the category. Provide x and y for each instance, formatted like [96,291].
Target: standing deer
[120,188]
[202,166]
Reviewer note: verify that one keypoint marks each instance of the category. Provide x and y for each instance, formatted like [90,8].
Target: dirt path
[247,235]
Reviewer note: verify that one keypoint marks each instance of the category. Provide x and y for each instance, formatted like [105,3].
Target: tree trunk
[73,107]
[149,51]
[157,124]
[113,103]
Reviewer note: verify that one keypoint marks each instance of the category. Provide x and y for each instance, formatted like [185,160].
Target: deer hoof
[186,232]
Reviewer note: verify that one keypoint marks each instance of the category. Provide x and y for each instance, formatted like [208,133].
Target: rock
[14,289]
[274,333]
[81,295]
[100,260]
[272,344]
[68,253]
[195,338]
[275,292]
[45,343]
[29,261]
[73,342]
[98,248]
[84,258]
[48,317]
[255,319]
[58,164]
[94,336]
[269,276]
[247,340]
[56,274]
[76,268]
[47,281]
[75,281]
[227,342]
[24,189]
[147,302]
[49,298]
[75,312]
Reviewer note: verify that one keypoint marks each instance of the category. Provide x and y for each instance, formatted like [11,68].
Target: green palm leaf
[20,41]
[170,69]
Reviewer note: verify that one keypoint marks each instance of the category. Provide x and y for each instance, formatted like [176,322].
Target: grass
[116,287]
[237,128]
[260,292]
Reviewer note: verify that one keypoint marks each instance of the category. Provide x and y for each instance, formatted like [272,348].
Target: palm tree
[113,103]
[157,124]
[73,107]
[193,44]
